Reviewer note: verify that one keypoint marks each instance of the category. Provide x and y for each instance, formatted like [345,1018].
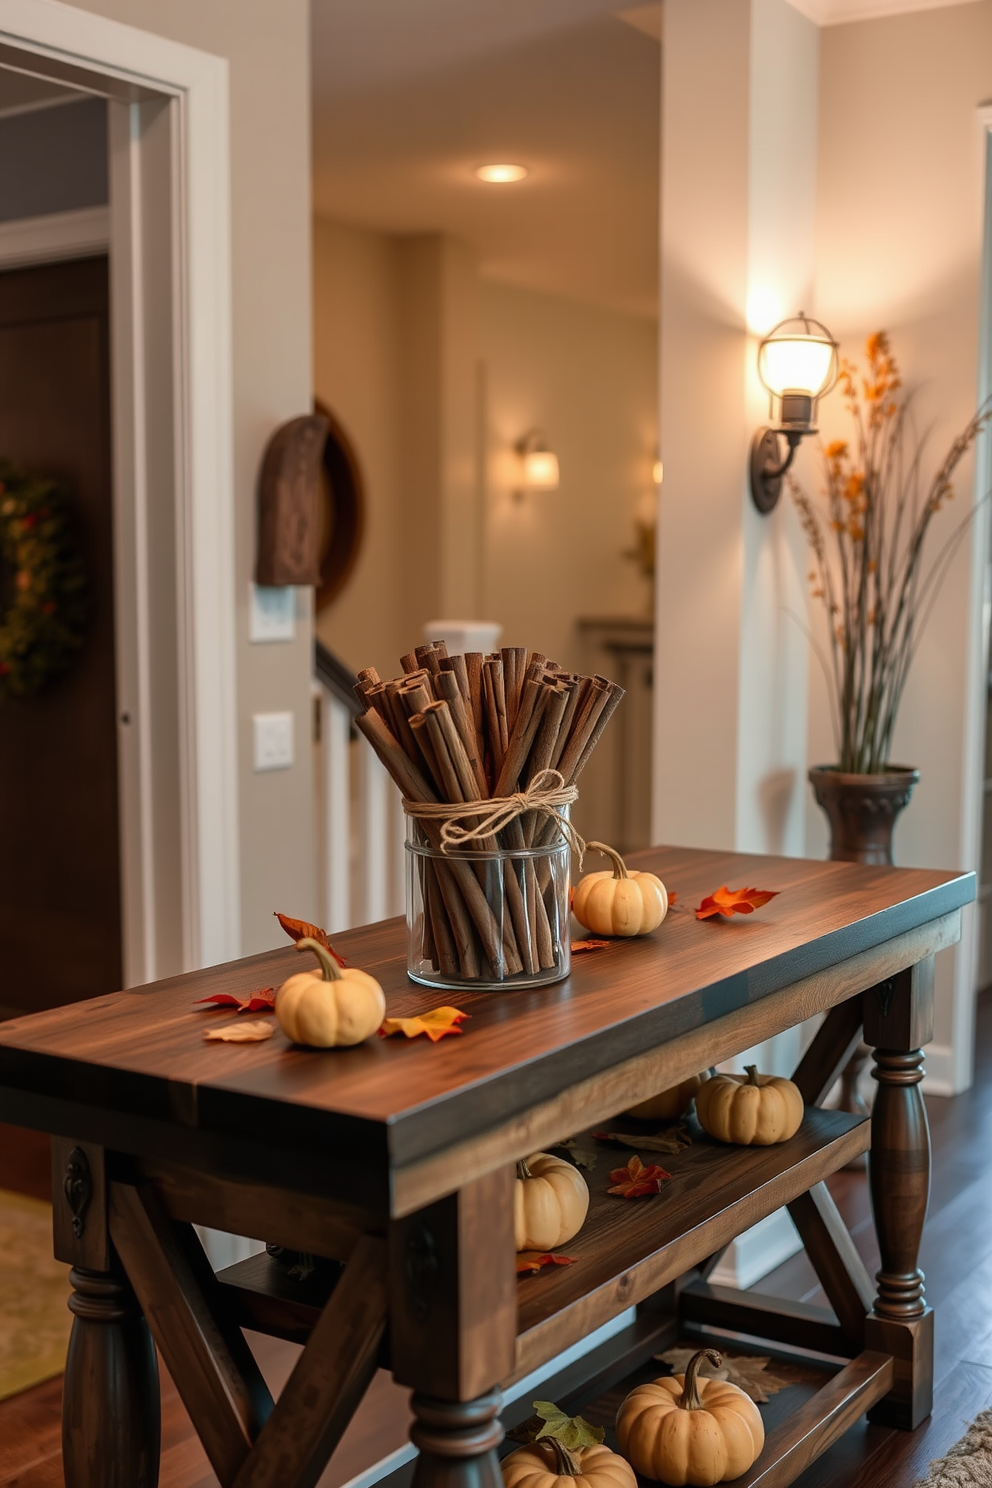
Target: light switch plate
[271,613]
[273,740]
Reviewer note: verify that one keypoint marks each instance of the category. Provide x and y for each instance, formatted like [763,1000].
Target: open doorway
[60,880]
[118,817]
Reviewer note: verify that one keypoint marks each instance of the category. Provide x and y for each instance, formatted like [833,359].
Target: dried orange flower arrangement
[868,553]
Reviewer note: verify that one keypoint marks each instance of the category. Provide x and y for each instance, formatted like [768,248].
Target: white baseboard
[758,1251]
[938,1065]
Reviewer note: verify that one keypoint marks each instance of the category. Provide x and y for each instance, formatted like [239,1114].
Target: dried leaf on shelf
[636,1181]
[583,1157]
[675,1139]
[262,1001]
[749,1372]
[580,946]
[571,1431]
[529,1260]
[435,1024]
[303,930]
[734,901]
[241,1033]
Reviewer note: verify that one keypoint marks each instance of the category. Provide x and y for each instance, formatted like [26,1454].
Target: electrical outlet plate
[273,740]
[271,613]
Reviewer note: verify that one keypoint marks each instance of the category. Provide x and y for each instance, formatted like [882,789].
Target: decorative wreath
[42,584]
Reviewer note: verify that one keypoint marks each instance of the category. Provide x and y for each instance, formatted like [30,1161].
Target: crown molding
[840,12]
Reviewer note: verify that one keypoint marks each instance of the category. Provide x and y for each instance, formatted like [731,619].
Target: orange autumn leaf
[578,946]
[240,1033]
[262,1001]
[734,901]
[636,1181]
[435,1024]
[303,930]
[529,1260]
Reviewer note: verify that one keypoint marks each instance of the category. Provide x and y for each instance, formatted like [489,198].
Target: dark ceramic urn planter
[862,810]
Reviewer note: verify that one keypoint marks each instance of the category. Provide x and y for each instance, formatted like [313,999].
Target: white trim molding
[842,12]
[177,100]
[54,237]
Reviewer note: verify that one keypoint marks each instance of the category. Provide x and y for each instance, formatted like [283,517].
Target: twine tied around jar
[544,795]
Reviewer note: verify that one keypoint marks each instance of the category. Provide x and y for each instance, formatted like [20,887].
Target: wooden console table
[395,1160]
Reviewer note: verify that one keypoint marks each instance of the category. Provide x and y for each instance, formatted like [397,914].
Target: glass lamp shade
[798,356]
[540,470]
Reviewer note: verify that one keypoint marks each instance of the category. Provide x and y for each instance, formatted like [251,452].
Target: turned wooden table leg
[899,1021]
[452,1328]
[110,1399]
[457,1442]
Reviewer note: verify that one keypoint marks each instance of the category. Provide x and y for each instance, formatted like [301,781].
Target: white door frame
[173,472]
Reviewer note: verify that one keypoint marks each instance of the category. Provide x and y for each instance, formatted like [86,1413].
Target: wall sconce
[797,362]
[538,464]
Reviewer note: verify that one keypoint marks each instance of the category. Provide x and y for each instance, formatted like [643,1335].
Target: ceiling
[411,95]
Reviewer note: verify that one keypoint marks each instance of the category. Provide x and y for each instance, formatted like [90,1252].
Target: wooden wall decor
[342,510]
[289,493]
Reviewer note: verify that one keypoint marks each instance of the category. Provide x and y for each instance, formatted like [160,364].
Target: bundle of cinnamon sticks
[461,729]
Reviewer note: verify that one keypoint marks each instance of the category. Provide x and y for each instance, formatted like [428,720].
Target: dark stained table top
[140,1055]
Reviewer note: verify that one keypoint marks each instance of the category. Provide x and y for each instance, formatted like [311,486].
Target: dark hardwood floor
[957,1259]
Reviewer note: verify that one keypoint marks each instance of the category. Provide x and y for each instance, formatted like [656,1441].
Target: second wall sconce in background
[538,468]
[797,362]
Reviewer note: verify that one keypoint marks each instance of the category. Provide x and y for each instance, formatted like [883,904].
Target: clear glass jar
[494,918]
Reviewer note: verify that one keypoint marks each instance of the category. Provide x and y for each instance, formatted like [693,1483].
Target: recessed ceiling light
[501,173]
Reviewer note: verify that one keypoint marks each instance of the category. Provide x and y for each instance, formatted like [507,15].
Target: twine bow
[544,795]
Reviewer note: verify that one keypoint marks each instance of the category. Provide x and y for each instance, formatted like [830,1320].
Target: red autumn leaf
[734,901]
[673,897]
[435,1024]
[529,1260]
[635,1181]
[303,930]
[262,1001]
[578,946]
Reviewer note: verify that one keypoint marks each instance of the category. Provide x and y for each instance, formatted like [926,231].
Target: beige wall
[267,45]
[899,242]
[587,376]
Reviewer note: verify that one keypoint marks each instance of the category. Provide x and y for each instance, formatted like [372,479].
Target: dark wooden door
[60,926]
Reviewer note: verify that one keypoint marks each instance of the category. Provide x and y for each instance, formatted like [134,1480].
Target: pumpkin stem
[619,866]
[565,1464]
[328,965]
[689,1399]
[752,1074]
[523,1171]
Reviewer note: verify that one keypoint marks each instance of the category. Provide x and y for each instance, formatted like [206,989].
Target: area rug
[34,1319]
[969,1462]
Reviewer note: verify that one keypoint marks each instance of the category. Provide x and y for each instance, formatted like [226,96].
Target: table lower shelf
[801,1421]
[629,1249]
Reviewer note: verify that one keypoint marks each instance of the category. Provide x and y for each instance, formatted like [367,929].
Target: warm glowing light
[796,364]
[501,174]
[764,310]
[658,472]
[541,470]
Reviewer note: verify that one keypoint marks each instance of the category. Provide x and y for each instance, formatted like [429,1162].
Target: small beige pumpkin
[750,1110]
[688,1430]
[550,1202]
[548,1464]
[337,1005]
[669,1105]
[618,901]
